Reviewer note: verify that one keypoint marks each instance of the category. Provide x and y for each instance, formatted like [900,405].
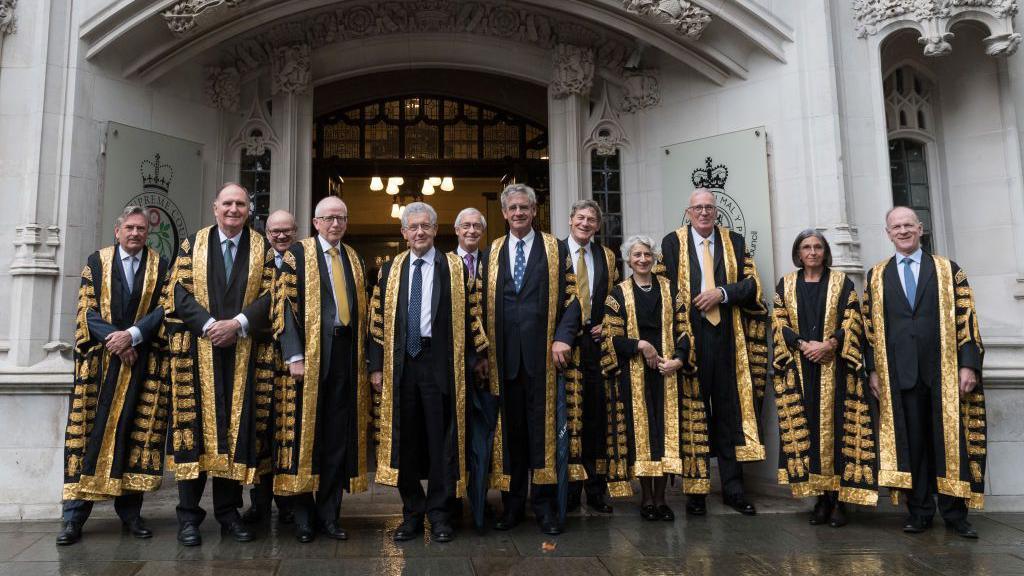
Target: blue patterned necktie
[909,282]
[229,258]
[413,340]
[520,266]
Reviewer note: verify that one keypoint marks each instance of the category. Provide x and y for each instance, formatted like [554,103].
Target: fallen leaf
[548,546]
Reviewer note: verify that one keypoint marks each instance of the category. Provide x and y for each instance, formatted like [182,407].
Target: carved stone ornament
[605,132]
[685,17]
[8,23]
[641,90]
[256,135]
[290,69]
[934,18]
[362,19]
[183,16]
[223,88]
[573,71]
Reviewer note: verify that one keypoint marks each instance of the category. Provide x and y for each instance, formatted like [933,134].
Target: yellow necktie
[340,290]
[712,315]
[583,285]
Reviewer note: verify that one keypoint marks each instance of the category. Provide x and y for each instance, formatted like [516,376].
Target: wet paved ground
[777,541]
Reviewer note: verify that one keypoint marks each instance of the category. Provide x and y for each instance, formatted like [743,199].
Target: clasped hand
[120,343]
[708,299]
[818,352]
[223,333]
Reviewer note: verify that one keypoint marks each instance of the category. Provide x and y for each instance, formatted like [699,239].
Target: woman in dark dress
[826,440]
[654,398]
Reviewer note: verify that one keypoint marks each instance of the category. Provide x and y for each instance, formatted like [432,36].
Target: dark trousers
[128,507]
[425,423]
[924,430]
[595,421]
[520,426]
[333,424]
[227,499]
[716,373]
[263,492]
[482,418]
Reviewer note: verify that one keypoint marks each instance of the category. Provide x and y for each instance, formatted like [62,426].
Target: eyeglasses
[284,232]
[418,227]
[709,208]
[330,220]
[471,226]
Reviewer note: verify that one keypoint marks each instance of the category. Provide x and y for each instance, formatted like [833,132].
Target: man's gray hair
[419,208]
[131,211]
[318,211]
[632,241]
[703,190]
[584,204]
[467,212]
[512,189]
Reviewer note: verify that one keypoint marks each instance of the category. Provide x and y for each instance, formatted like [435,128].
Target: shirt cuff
[207,325]
[243,323]
[725,295]
[294,359]
[136,335]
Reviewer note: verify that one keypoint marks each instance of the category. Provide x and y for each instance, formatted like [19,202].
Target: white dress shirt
[698,243]
[126,264]
[588,257]
[427,288]
[243,322]
[512,241]
[915,267]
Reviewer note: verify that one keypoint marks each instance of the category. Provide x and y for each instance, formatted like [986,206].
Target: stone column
[568,98]
[291,88]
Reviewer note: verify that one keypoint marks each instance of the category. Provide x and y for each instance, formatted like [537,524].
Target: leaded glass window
[254,175]
[908,170]
[606,187]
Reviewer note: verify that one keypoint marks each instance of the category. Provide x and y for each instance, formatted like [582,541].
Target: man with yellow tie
[322,407]
[717,281]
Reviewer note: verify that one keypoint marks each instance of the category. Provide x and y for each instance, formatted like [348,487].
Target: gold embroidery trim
[386,474]
[888,466]
[311,353]
[671,461]
[548,475]
[361,482]
[458,294]
[827,396]
[205,349]
[949,382]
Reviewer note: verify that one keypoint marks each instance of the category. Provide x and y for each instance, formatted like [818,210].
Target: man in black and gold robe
[924,356]
[532,318]
[322,408]
[422,343]
[596,269]
[717,280]
[222,365]
[114,439]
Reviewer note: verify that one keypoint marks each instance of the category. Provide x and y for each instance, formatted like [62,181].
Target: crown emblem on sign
[711,177]
[155,175]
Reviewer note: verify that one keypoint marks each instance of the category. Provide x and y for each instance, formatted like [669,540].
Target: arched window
[254,174]
[908,113]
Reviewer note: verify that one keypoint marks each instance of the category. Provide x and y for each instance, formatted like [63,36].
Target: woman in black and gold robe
[653,394]
[826,443]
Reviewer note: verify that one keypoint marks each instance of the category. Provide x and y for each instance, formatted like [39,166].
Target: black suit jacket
[122,308]
[293,340]
[600,275]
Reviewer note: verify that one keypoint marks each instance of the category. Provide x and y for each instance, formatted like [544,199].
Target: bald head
[281,230]
[329,203]
[901,211]
[331,219]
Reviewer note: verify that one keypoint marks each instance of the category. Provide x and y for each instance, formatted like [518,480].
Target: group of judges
[527,366]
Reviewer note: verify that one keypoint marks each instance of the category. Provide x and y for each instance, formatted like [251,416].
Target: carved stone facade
[683,16]
[572,71]
[223,88]
[183,16]
[934,18]
[641,90]
[290,69]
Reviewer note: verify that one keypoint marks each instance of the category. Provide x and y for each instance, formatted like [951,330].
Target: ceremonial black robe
[657,424]
[456,338]
[826,435]
[114,438]
[221,396]
[554,314]
[927,345]
[744,325]
[302,294]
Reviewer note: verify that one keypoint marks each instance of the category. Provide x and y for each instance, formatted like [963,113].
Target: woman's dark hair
[811,232]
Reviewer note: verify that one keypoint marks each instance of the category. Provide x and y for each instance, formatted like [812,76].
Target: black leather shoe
[409,529]
[916,525]
[304,533]
[740,504]
[188,535]
[696,506]
[964,529]
[285,516]
[332,530]
[238,531]
[838,517]
[821,512]
[70,532]
[441,532]
[252,516]
[665,513]
[649,512]
[549,526]
[507,522]
[137,527]
[599,505]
